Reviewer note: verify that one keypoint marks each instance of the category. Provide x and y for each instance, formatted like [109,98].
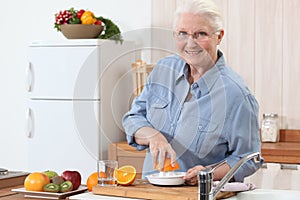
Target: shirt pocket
[207,137]
[157,113]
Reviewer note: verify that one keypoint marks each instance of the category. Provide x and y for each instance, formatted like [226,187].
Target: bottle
[270,128]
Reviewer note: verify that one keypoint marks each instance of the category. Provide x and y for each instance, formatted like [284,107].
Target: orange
[167,166]
[36,181]
[126,175]
[93,180]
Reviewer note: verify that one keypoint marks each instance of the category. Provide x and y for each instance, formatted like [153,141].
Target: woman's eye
[201,33]
[182,33]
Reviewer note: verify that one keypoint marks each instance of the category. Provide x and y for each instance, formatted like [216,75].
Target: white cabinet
[276,176]
[55,143]
[78,92]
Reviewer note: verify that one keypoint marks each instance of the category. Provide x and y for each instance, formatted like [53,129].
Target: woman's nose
[191,42]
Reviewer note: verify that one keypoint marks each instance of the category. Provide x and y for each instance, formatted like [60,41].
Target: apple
[73,176]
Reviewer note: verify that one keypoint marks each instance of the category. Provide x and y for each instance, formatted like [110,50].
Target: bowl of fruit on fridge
[83,24]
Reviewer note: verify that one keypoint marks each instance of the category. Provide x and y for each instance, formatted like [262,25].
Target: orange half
[126,175]
[167,166]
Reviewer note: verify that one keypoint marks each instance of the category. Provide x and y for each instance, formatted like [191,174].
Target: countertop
[287,150]
[257,194]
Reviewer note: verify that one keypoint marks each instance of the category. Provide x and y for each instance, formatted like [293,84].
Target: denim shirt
[219,121]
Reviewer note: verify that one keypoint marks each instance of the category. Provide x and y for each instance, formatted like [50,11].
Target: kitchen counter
[287,150]
[258,194]
[7,194]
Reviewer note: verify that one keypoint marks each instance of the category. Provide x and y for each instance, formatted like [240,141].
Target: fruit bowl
[81,31]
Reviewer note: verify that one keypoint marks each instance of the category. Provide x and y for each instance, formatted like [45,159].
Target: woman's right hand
[159,147]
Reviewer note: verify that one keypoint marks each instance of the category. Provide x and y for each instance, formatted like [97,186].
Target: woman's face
[196,40]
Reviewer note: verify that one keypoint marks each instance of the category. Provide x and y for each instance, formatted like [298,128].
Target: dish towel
[235,186]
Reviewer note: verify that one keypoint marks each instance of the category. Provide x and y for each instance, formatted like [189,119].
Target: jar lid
[270,115]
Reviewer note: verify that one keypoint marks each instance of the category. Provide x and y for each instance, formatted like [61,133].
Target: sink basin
[263,194]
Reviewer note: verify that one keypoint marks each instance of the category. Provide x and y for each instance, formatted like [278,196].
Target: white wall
[25,21]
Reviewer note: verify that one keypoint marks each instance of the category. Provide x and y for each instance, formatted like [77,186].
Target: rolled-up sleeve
[244,137]
[135,118]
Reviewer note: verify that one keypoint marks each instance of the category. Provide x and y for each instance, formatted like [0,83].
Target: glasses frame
[195,35]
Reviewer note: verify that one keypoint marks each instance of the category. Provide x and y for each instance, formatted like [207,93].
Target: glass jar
[270,128]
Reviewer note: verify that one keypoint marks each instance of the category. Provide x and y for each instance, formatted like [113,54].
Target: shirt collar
[207,81]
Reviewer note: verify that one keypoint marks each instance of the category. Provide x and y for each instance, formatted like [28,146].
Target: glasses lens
[199,36]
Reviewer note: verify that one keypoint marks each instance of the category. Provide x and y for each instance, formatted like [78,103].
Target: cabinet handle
[288,166]
[29,120]
[29,75]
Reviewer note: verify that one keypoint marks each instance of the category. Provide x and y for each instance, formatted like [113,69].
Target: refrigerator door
[53,72]
[63,135]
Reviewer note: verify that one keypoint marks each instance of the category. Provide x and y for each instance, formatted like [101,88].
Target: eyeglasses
[199,36]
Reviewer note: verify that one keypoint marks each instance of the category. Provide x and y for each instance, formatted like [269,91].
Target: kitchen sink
[264,194]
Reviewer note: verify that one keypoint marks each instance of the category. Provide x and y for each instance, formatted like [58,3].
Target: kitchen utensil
[3,171]
[169,178]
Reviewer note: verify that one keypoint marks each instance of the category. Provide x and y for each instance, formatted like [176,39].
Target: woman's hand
[158,145]
[191,177]
[160,149]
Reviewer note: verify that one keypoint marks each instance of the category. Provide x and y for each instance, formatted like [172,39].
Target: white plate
[174,178]
[49,195]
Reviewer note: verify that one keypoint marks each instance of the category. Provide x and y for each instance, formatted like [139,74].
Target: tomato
[79,13]
[98,22]
[36,181]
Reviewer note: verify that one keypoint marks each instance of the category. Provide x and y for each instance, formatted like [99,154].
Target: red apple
[73,176]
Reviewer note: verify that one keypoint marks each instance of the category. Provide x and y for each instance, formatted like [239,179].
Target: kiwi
[51,187]
[57,180]
[66,186]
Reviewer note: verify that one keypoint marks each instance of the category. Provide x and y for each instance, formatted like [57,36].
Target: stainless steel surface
[12,174]
[206,177]
[3,171]
[289,166]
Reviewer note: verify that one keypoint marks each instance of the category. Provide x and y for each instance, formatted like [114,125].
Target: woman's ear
[220,36]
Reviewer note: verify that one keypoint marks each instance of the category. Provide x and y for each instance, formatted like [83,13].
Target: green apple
[50,173]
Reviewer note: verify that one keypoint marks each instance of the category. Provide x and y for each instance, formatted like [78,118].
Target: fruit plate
[174,178]
[49,195]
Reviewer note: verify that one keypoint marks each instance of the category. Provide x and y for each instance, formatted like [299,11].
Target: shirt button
[195,85]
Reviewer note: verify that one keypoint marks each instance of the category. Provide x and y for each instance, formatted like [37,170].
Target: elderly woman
[194,108]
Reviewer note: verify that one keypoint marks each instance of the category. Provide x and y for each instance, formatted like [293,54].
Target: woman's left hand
[191,177]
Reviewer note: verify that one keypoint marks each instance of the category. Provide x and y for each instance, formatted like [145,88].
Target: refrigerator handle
[29,75]
[29,123]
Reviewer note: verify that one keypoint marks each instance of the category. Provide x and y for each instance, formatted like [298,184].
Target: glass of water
[107,172]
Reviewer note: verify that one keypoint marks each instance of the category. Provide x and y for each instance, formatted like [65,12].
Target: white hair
[206,8]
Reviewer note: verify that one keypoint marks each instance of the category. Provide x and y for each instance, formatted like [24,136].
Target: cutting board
[144,190]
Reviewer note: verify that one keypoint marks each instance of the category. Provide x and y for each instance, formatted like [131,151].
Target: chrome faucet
[206,177]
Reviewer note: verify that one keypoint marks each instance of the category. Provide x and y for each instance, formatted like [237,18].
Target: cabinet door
[63,135]
[240,33]
[276,176]
[54,72]
[291,63]
[268,55]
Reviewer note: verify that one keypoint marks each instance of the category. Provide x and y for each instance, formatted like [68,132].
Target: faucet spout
[206,191]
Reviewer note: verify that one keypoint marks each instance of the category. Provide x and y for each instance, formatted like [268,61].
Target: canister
[270,128]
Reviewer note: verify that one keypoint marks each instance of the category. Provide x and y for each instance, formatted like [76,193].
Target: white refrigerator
[78,91]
